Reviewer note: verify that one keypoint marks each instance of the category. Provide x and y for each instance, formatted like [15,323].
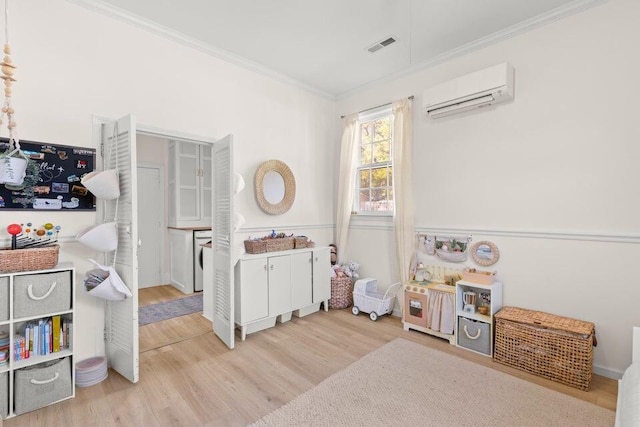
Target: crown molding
[127,17]
[553,15]
[122,15]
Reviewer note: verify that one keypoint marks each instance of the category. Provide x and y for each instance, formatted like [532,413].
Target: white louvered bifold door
[223,241]
[121,320]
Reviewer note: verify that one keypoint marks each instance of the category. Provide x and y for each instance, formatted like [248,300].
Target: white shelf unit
[276,285]
[189,184]
[481,339]
[419,294]
[17,285]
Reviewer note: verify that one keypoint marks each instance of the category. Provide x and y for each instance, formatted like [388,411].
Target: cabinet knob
[265,267]
[316,258]
[271,267]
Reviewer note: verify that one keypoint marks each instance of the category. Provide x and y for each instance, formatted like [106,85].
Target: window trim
[365,117]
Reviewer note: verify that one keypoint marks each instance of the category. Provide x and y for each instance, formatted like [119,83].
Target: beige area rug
[405,384]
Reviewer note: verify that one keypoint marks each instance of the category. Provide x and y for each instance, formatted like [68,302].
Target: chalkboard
[53,178]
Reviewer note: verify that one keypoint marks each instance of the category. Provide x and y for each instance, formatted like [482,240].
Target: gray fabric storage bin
[4,298]
[4,394]
[39,385]
[58,299]
[477,336]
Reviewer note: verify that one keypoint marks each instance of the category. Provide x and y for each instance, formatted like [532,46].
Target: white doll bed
[628,408]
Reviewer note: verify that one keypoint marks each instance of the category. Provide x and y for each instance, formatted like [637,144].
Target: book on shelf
[55,334]
[42,337]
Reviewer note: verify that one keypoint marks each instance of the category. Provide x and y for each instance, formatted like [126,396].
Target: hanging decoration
[13,163]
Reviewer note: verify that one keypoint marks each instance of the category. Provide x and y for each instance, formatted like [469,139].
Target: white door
[223,240]
[279,285]
[301,284]
[205,190]
[150,226]
[322,276]
[121,322]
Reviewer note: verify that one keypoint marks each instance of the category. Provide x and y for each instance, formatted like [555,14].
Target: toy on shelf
[25,236]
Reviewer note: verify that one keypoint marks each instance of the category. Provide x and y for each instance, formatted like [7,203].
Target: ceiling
[322,45]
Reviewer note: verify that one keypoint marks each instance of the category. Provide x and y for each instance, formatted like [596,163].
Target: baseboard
[606,372]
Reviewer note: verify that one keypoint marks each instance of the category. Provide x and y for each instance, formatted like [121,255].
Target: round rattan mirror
[485,253]
[275,187]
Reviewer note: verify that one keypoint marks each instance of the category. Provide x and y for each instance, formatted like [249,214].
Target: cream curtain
[440,316]
[402,185]
[346,180]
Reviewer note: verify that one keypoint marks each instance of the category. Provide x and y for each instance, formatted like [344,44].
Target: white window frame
[365,117]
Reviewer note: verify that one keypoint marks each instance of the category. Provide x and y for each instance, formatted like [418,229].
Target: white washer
[200,237]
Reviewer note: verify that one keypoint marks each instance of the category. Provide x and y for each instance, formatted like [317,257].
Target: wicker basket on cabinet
[30,259]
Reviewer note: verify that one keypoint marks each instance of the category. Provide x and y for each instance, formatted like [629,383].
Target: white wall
[551,177]
[73,63]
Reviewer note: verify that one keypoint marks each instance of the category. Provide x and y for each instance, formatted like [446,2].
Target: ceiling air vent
[379,45]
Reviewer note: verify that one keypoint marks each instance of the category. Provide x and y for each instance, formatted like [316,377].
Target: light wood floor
[198,381]
[158,294]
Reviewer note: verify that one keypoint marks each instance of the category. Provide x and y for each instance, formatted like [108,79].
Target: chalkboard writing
[53,178]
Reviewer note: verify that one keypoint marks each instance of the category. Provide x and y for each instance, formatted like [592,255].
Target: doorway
[171,319]
[118,142]
[151,208]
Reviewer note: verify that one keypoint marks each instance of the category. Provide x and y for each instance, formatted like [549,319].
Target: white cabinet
[302,291]
[279,284]
[252,290]
[275,285]
[181,259]
[37,309]
[189,184]
[475,329]
[321,276]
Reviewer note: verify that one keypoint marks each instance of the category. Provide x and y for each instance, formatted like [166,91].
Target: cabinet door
[321,275]
[205,188]
[188,179]
[181,259]
[253,301]
[279,285]
[301,282]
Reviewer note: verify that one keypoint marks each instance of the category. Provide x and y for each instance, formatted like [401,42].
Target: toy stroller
[366,298]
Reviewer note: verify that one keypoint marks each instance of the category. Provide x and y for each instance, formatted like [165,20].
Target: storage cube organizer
[42,384]
[43,293]
[4,298]
[554,347]
[474,335]
[4,394]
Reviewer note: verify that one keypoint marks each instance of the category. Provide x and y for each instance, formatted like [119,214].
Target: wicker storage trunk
[341,292]
[553,347]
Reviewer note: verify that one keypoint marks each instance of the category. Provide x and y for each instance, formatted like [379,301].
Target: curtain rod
[378,106]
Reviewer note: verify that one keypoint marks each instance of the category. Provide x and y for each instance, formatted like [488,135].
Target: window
[374,186]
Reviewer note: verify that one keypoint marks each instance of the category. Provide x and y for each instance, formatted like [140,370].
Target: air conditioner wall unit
[479,89]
